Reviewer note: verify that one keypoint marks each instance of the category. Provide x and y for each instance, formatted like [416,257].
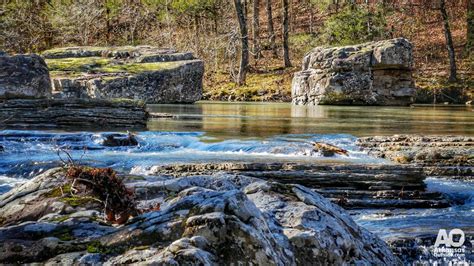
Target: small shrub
[355,24]
[103,184]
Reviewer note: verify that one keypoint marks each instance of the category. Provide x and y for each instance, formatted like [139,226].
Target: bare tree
[449,42]
[244,39]
[108,27]
[256,29]
[271,30]
[470,27]
[285,28]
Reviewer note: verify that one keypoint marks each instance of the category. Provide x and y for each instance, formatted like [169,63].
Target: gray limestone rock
[374,73]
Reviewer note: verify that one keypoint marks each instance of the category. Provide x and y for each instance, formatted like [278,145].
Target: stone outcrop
[374,73]
[73,114]
[350,186]
[23,76]
[205,220]
[441,156]
[142,73]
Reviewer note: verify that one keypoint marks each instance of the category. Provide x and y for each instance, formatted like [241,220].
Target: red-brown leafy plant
[103,183]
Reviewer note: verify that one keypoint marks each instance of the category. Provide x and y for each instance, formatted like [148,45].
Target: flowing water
[257,132]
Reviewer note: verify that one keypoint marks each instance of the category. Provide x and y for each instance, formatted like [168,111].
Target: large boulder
[374,73]
[23,76]
[142,73]
[205,220]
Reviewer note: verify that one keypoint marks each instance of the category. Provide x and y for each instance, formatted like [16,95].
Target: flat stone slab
[72,114]
[351,186]
[142,73]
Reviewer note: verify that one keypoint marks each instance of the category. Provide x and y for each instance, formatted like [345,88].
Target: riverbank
[273,84]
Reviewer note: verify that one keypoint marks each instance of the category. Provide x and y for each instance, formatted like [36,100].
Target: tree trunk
[470,27]
[256,29]
[107,22]
[449,42]
[271,30]
[244,56]
[286,54]
[196,35]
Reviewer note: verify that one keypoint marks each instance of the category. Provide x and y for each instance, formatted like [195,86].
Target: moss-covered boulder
[374,73]
[142,73]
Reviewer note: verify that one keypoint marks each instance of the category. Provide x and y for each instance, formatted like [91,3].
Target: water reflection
[309,111]
[245,120]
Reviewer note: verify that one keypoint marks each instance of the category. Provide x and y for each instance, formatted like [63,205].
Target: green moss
[332,97]
[96,247]
[134,68]
[61,50]
[258,86]
[141,247]
[76,201]
[74,66]
[59,191]
[127,101]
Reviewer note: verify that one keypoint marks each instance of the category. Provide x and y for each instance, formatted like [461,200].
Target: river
[258,132]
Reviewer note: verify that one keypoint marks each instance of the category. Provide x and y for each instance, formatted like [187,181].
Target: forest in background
[275,33]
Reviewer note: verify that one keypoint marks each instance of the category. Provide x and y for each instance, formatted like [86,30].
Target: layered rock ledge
[374,73]
[350,186]
[206,220]
[440,156]
[142,73]
[73,114]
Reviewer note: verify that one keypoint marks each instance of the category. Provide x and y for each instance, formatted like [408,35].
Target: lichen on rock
[374,73]
[212,220]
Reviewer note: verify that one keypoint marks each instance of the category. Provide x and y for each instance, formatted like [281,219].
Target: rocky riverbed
[275,201]
[216,219]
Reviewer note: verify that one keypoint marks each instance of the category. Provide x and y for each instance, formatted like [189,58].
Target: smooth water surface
[241,120]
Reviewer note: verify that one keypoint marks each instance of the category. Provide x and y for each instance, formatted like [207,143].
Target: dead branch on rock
[103,184]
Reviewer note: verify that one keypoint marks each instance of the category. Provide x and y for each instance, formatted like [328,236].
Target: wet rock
[2,149]
[30,201]
[328,150]
[118,140]
[419,250]
[24,76]
[441,156]
[374,73]
[210,220]
[351,186]
[73,114]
